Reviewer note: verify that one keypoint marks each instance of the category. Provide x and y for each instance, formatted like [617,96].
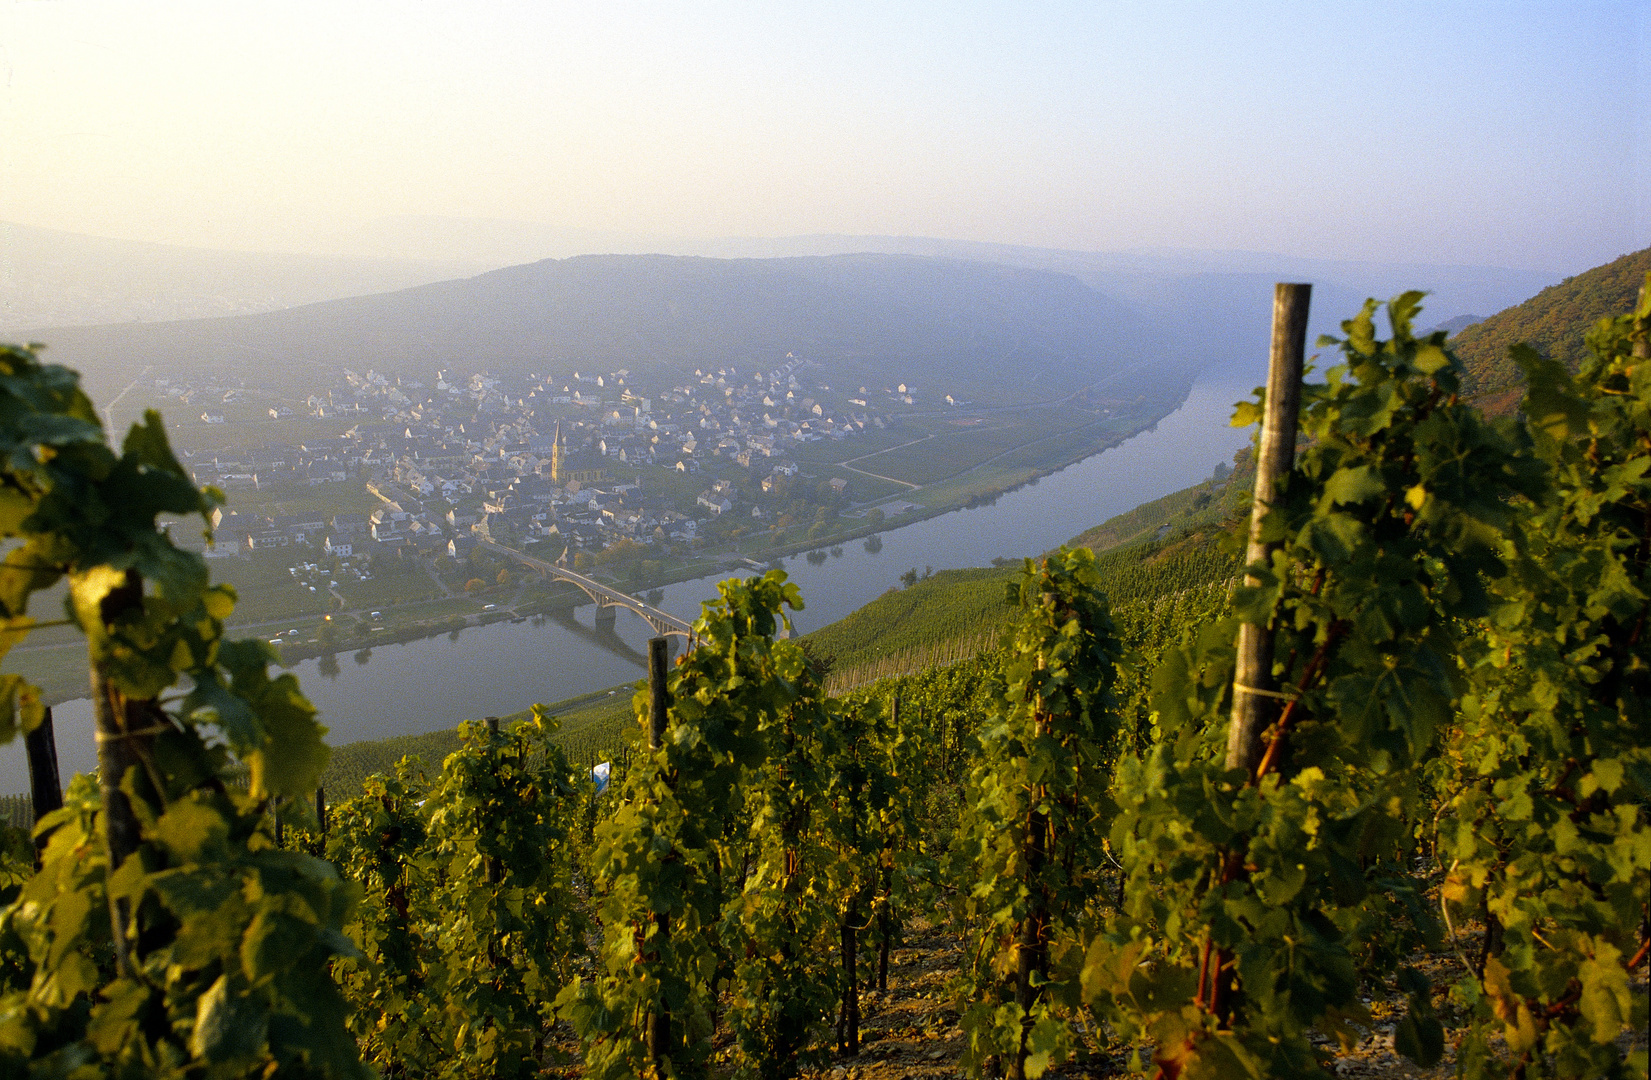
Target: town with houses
[579,463]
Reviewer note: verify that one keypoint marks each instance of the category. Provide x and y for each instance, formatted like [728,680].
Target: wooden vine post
[659,1023]
[126,728]
[495,869]
[1031,951]
[45,782]
[590,804]
[1255,694]
[848,1017]
[1641,348]
[885,913]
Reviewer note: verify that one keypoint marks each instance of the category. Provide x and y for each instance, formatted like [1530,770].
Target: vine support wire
[1254,703]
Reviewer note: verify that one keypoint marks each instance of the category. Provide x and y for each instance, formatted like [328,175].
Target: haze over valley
[669,296]
[880,540]
[51,279]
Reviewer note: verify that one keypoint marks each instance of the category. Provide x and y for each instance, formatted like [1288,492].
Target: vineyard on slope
[1142,851]
[944,619]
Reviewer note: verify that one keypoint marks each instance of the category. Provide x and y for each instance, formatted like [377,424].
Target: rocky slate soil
[911,1032]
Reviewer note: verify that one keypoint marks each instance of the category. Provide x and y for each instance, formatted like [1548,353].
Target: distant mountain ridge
[1000,334]
[1192,310]
[1211,308]
[1553,322]
[1200,309]
[1132,276]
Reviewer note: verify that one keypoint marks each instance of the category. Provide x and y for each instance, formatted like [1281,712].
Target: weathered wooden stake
[1641,342]
[590,804]
[885,917]
[126,728]
[658,703]
[1254,705]
[495,869]
[659,1024]
[45,782]
[848,1020]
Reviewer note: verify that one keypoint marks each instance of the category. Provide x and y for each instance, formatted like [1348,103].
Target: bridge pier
[606,616]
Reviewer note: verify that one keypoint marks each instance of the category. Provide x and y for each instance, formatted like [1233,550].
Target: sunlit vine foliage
[199,949]
[1543,828]
[659,861]
[1036,815]
[1261,902]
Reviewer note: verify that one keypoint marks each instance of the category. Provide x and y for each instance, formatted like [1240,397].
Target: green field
[665,480]
[1062,447]
[246,425]
[266,591]
[869,441]
[952,603]
[319,500]
[949,452]
[383,591]
[861,488]
[1191,508]
[1022,442]
[589,727]
[58,670]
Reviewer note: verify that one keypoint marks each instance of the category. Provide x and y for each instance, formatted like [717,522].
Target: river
[491,670]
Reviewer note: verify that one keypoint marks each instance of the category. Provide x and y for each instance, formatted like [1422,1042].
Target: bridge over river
[663,622]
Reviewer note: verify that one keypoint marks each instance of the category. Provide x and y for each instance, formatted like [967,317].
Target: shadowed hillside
[998,335]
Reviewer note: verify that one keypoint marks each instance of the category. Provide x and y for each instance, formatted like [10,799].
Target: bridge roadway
[662,622]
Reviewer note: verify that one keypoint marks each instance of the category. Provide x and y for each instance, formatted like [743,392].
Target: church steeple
[556,455]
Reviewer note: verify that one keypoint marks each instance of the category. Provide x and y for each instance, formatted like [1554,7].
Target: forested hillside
[1552,322]
[990,334]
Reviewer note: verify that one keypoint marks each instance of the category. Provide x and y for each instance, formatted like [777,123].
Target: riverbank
[979,486]
[421,678]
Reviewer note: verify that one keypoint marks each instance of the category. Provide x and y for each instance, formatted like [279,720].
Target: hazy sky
[1512,133]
